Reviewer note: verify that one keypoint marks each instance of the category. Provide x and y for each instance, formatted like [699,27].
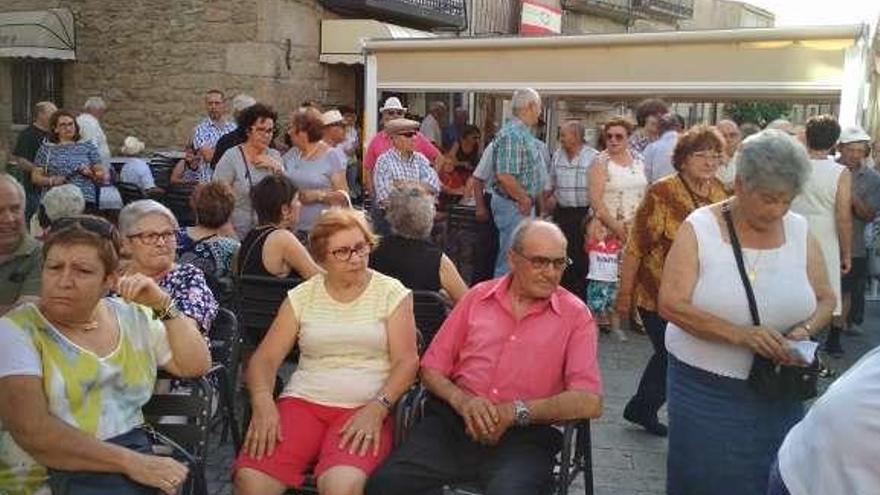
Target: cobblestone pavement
[626,460]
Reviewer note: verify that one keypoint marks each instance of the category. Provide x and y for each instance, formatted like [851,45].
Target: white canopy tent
[829,63]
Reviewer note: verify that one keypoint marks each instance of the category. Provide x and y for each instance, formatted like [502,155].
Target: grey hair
[43,107]
[780,125]
[94,103]
[242,101]
[773,160]
[522,98]
[577,126]
[411,212]
[16,184]
[436,105]
[523,228]
[136,211]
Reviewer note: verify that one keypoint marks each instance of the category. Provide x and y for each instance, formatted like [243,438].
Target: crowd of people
[727,246]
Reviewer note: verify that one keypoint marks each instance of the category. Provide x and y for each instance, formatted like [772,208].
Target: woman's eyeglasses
[611,136]
[542,262]
[153,238]
[263,130]
[345,253]
[709,155]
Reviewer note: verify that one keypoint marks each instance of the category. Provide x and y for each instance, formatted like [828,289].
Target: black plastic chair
[430,310]
[183,416]
[129,192]
[176,198]
[573,459]
[258,299]
[226,352]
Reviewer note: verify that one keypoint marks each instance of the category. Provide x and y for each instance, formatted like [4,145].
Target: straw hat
[331,117]
[393,103]
[399,126]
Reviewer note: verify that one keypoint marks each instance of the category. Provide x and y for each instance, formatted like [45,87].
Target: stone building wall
[152,61]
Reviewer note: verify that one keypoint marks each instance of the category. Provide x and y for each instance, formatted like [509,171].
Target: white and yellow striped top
[344,359]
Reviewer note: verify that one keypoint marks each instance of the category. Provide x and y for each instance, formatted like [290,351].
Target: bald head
[537,258]
[43,112]
[530,231]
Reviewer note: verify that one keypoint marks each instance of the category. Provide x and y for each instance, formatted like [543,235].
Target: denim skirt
[723,438]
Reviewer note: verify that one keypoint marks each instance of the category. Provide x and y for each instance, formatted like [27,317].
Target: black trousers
[570,221]
[438,452]
[486,248]
[651,394]
[854,283]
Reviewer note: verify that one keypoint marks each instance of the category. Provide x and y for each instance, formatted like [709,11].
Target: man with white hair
[20,255]
[431,124]
[209,130]
[517,355]
[726,173]
[232,138]
[26,147]
[89,122]
[519,171]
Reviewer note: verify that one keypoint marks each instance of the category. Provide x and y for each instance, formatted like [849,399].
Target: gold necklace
[752,268]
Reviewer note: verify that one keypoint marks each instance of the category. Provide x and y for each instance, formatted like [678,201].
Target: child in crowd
[603,250]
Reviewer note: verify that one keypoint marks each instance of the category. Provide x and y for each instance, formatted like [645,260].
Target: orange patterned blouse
[666,205]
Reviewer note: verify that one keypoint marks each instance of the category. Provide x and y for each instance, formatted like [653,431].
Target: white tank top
[783,292]
[625,189]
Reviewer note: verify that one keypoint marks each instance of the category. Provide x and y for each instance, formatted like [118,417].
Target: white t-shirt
[136,171]
[90,130]
[835,449]
[431,129]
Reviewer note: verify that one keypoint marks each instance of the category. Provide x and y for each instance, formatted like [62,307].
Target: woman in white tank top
[722,436]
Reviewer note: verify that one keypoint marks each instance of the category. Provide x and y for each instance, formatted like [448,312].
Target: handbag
[768,379]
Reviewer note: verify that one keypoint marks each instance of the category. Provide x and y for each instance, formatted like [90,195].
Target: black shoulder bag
[768,379]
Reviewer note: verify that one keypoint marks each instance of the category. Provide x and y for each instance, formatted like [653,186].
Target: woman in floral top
[667,203]
[149,232]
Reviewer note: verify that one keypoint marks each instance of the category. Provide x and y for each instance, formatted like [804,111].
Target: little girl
[603,251]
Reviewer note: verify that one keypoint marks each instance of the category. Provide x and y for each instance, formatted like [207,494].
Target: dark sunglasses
[394,112]
[408,134]
[95,225]
[615,137]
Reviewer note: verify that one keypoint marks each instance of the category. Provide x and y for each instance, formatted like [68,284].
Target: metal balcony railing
[671,9]
[629,10]
[425,14]
[620,10]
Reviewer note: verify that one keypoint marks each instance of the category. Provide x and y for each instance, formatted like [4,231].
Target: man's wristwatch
[385,401]
[522,415]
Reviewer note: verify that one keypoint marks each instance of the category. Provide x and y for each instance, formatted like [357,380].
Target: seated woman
[210,244]
[356,333]
[191,170]
[149,239]
[76,368]
[408,254]
[271,249]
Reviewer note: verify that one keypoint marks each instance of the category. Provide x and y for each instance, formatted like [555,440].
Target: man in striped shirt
[519,171]
[212,127]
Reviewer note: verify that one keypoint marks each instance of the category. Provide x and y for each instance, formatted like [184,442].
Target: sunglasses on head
[89,223]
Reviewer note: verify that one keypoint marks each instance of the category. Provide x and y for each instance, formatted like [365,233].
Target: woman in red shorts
[356,335]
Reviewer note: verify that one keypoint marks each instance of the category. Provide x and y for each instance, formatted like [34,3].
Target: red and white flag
[540,19]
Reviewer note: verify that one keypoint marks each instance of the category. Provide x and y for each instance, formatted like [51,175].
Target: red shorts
[311,437]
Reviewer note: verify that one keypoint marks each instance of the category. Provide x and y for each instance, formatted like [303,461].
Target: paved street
[626,461]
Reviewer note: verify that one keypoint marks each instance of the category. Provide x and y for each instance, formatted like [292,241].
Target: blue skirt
[723,438]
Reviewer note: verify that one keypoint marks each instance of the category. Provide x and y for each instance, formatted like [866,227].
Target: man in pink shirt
[381,142]
[517,355]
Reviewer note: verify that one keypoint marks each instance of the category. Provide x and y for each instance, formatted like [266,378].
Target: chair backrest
[226,341]
[183,414]
[462,218]
[258,299]
[177,200]
[430,310]
[129,192]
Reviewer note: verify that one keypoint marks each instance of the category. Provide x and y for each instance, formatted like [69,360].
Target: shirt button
[513,338]
[495,391]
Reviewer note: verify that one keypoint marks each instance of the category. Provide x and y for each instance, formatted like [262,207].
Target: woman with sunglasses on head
[149,240]
[63,159]
[77,366]
[356,333]
[245,165]
[271,249]
[316,169]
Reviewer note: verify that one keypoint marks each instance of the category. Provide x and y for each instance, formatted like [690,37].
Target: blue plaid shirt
[391,166]
[517,154]
[207,132]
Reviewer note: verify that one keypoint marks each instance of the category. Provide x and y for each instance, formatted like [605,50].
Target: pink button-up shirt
[381,143]
[484,350]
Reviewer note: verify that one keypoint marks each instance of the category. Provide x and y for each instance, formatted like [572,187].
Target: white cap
[331,117]
[854,134]
[132,146]
[392,103]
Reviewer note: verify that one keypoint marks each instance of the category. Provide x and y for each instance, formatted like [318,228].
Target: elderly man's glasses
[407,134]
[542,262]
[709,155]
[153,238]
[345,253]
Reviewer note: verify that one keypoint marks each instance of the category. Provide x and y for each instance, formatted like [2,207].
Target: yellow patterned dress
[101,396]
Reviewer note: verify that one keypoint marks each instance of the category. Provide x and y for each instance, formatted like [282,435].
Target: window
[34,81]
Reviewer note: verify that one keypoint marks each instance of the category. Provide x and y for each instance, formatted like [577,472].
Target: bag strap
[737,253]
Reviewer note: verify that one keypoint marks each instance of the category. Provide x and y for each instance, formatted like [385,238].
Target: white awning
[342,39]
[38,34]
